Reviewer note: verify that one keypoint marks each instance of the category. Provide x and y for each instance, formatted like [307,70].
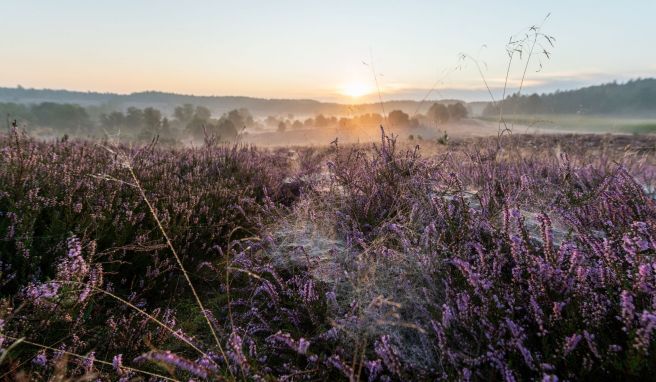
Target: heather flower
[117,363]
[2,338]
[331,297]
[627,309]
[374,368]
[643,281]
[74,247]
[547,234]
[41,293]
[303,346]
[549,378]
[87,363]
[644,332]
[174,360]
[73,267]
[41,359]
[385,351]
[308,293]
[235,344]
[336,362]
[447,315]
[571,343]
[466,374]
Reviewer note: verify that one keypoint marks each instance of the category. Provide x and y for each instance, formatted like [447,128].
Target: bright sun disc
[355,89]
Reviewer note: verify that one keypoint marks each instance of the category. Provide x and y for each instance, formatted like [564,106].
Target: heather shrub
[529,259]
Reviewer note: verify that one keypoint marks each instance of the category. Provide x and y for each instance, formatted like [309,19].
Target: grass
[580,123]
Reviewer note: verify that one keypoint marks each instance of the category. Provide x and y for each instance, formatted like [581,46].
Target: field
[521,258]
[580,123]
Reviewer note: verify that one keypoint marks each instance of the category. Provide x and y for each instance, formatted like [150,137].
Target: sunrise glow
[355,89]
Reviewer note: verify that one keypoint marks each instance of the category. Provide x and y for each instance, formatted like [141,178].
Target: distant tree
[345,122]
[112,120]
[166,127]
[438,113]
[226,130]
[282,126]
[12,111]
[271,121]
[240,118]
[183,114]
[321,121]
[309,122]
[152,120]
[457,111]
[134,118]
[202,113]
[297,124]
[199,123]
[612,98]
[398,118]
[64,117]
[373,119]
[532,104]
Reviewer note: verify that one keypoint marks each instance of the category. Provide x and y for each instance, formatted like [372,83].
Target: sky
[320,49]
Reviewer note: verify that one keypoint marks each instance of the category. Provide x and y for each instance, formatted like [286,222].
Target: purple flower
[117,363]
[235,344]
[373,369]
[386,352]
[176,361]
[571,343]
[41,359]
[627,309]
[89,361]
[644,332]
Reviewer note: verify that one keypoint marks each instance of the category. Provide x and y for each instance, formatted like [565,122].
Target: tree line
[196,122]
[635,96]
[437,114]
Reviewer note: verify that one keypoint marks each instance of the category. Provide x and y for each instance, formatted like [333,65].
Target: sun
[355,89]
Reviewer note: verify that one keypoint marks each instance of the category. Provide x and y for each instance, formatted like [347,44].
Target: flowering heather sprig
[174,360]
[547,235]
[88,362]
[40,294]
[645,330]
[41,359]
[374,368]
[627,309]
[73,267]
[301,346]
[336,362]
[117,363]
[308,293]
[236,353]
[95,280]
[2,337]
[571,343]
[387,353]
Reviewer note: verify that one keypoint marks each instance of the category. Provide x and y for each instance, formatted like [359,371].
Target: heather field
[529,257]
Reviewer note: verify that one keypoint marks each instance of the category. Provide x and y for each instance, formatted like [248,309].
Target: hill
[217,104]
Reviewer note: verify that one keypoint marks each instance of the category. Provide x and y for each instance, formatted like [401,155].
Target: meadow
[518,257]
[580,123]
